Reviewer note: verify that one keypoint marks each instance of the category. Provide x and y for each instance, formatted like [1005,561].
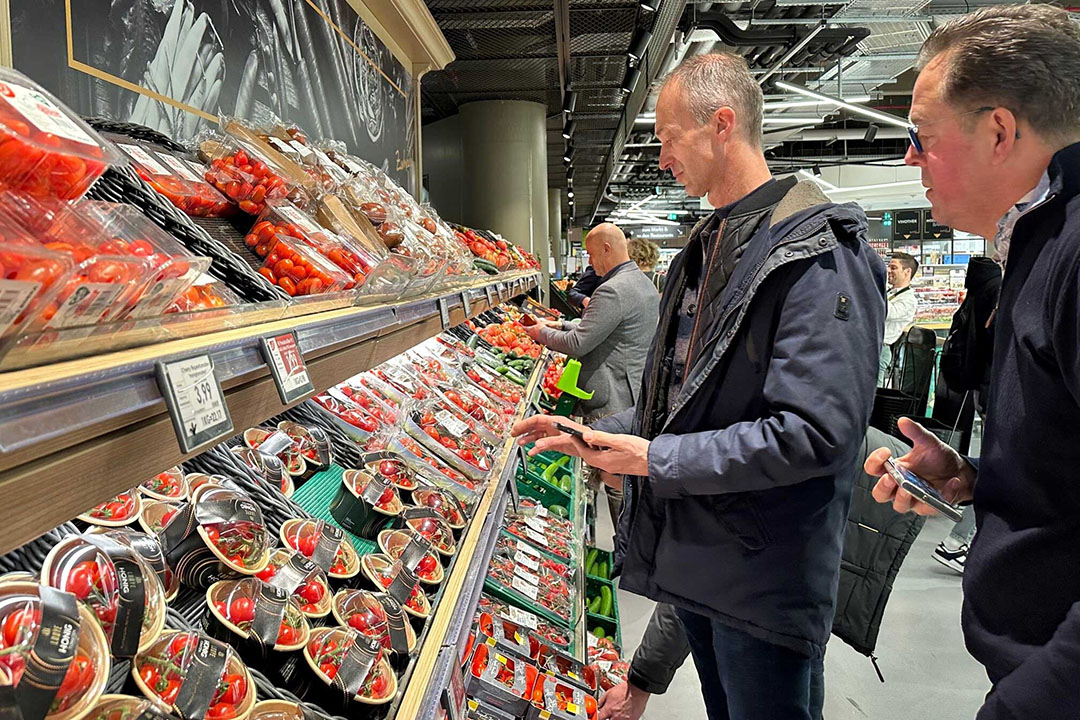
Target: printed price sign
[492,295]
[454,698]
[282,354]
[521,617]
[525,588]
[444,312]
[465,304]
[196,403]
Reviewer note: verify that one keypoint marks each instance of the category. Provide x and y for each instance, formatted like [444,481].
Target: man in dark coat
[756,394]
[997,110]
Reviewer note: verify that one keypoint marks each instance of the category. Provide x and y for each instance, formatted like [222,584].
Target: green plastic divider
[316,495]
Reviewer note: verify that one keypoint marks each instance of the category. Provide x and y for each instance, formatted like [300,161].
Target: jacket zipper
[754,279]
[704,287]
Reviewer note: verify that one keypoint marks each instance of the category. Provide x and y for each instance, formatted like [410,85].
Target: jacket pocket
[740,517]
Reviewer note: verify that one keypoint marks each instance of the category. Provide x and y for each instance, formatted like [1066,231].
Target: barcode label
[526,560]
[86,304]
[179,166]
[142,157]
[525,588]
[536,537]
[15,295]
[525,547]
[521,617]
[526,575]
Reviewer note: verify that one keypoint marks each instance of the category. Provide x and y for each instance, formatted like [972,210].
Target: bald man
[613,335]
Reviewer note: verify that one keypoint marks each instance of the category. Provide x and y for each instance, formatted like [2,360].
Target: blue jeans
[744,678]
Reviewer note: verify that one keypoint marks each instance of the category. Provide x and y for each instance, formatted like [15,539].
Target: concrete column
[555,227]
[504,144]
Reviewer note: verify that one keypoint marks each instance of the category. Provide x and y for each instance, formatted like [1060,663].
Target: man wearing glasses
[996,115]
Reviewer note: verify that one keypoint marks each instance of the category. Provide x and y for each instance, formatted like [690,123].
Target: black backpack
[965,356]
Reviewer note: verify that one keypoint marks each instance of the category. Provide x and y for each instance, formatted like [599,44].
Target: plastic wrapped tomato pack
[391,577]
[555,698]
[415,552]
[293,265]
[556,636]
[466,489]
[46,150]
[555,535]
[524,577]
[250,613]
[245,175]
[501,680]
[364,503]
[343,658]
[32,617]
[206,293]
[324,544]
[302,579]
[30,278]
[174,178]
[451,438]
[378,616]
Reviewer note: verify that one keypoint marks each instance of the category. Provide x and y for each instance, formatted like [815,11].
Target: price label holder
[492,295]
[504,292]
[454,698]
[195,401]
[465,303]
[287,366]
[515,496]
[444,312]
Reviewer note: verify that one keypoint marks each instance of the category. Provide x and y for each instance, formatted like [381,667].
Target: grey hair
[1022,57]
[718,80]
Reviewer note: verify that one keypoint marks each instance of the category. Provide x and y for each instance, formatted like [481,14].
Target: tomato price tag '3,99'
[195,401]
[282,354]
[444,312]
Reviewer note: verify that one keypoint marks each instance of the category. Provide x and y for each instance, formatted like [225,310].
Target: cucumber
[566,484]
[590,560]
[606,602]
[486,266]
[502,369]
[594,604]
[472,342]
[559,511]
[598,632]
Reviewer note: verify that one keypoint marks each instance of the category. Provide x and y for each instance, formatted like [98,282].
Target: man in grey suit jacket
[614,333]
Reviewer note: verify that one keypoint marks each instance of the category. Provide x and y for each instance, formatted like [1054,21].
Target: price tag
[522,618]
[465,304]
[527,576]
[491,295]
[537,525]
[282,354]
[179,167]
[525,588]
[444,312]
[541,511]
[526,560]
[454,698]
[196,403]
[604,665]
[536,537]
[142,157]
[524,547]
[456,427]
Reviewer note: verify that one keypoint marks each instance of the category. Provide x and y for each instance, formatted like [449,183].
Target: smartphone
[922,490]
[576,433]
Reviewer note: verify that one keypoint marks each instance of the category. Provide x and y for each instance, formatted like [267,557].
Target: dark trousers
[744,678]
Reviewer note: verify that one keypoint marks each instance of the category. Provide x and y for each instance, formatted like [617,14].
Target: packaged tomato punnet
[246,175]
[293,265]
[174,178]
[31,276]
[46,150]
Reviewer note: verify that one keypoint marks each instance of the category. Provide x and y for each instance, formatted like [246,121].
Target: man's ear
[723,122]
[1005,133]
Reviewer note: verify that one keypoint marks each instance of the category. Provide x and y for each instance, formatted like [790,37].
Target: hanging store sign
[907,225]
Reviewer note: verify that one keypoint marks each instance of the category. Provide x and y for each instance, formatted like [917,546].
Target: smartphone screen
[922,490]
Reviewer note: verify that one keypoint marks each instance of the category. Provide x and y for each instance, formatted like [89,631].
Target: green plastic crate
[316,495]
[531,486]
[611,627]
[592,588]
[601,556]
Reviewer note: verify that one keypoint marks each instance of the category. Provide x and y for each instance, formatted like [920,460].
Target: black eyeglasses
[913,130]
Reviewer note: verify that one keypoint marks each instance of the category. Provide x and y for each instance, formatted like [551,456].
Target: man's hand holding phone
[616,454]
[932,460]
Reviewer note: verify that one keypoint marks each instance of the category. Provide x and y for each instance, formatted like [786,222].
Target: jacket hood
[847,219]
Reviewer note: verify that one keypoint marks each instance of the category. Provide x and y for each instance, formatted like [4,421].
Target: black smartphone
[922,490]
[576,433]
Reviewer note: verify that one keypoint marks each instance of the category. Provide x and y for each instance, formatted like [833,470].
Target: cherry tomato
[150,675]
[237,689]
[242,609]
[181,644]
[171,691]
[19,625]
[267,573]
[288,635]
[82,579]
[221,711]
[312,592]
[306,545]
[78,677]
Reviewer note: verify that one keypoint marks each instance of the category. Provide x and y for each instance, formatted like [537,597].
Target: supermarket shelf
[450,625]
[66,429]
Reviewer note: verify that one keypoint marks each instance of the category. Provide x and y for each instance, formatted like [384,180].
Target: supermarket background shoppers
[756,394]
[612,336]
[901,309]
[581,292]
[997,105]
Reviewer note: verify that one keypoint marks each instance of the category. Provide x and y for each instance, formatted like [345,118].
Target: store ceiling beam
[96,423]
[562,45]
[410,31]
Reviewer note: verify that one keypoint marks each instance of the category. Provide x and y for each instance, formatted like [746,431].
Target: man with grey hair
[996,125]
[757,390]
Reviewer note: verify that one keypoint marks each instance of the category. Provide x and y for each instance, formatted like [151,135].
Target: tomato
[236,690]
[306,545]
[150,675]
[182,644]
[266,273]
[267,573]
[427,565]
[82,579]
[171,691]
[329,669]
[213,534]
[221,711]
[77,679]
[312,591]
[287,284]
[19,626]
[379,685]
[242,609]
[287,635]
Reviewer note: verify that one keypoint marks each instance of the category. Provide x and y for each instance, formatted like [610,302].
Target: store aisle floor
[928,672]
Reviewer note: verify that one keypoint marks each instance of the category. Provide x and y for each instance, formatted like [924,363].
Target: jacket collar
[621,267]
[1064,172]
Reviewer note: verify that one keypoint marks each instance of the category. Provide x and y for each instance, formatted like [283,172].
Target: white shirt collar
[1005,225]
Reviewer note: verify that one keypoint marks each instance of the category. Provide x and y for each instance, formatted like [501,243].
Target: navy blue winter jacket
[742,515]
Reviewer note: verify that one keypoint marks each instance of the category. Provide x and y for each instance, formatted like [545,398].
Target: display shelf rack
[72,434]
[462,589]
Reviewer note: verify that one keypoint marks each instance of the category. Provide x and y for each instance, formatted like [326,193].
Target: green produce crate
[611,628]
[543,493]
[512,596]
[601,557]
[562,477]
[595,587]
[316,495]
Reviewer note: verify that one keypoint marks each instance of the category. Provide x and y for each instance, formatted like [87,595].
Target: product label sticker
[525,575]
[456,427]
[178,166]
[130,608]
[143,158]
[294,573]
[414,551]
[540,511]
[444,312]
[524,547]
[276,443]
[294,216]
[279,145]
[200,683]
[465,303]
[287,366]
[195,400]
[15,296]
[395,624]
[270,605]
[604,665]
[357,663]
[43,113]
[197,168]
[522,618]
[536,524]
[536,537]
[525,588]
[402,586]
[374,489]
[86,304]
[304,150]
[52,653]
[527,561]
[326,549]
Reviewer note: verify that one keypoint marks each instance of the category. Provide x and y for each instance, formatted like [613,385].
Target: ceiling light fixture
[570,194]
[639,45]
[871,133]
[568,129]
[569,102]
[873,114]
[878,186]
[791,104]
[568,154]
[649,6]
[791,121]
[570,174]
[631,79]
